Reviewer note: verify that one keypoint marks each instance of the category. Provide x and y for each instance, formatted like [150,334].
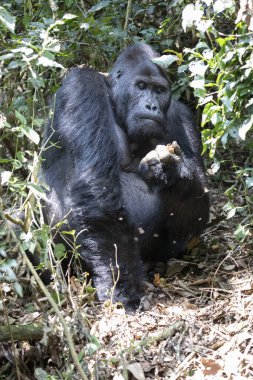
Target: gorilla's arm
[180,160]
[179,177]
[181,127]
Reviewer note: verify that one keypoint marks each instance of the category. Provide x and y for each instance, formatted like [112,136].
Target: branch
[31,331]
[128,13]
[162,335]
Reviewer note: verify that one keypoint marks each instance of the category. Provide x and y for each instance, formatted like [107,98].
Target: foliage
[221,72]
[41,40]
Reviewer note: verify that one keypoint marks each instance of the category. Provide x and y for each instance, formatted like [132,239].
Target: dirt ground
[195,321]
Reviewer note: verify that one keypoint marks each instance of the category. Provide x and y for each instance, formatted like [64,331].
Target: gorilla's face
[142,98]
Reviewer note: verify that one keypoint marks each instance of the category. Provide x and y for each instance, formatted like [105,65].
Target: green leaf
[220,5]
[72,233]
[215,167]
[20,117]
[6,56]
[15,64]
[40,374]
[85,26]
[249,182]
[206,100]
[222,41]
[49,55]
[68,3]
[94,340]
[18,289]
[36,80]
[179,55]
[231,213]
[91,348]
[31,134]
[249,103]
[228,57]
[35,187]
[198,68]
[246,126]
[7,19]
[97,7]
[203,25]
[46,62]
[69,16]
[6,269]
[59,251]
[165,60]
[241,232]
[37,190]
[5,177]
[198,83]
[200,93]
[191,15]
[24,50]
[5,160]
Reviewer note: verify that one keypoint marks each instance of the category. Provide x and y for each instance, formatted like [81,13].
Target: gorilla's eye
[160,89]
[141,85]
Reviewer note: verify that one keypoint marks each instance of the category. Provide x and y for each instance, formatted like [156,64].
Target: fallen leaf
[136,370]
[174,267]
[212,367]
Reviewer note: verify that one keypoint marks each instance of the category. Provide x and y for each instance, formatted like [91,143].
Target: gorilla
[123,165]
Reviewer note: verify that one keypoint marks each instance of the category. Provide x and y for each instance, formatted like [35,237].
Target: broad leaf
[246,126]
[100,5]
[44,61]
[7,19]
[165,60]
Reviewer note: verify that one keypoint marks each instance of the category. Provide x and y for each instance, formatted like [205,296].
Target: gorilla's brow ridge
[152,79]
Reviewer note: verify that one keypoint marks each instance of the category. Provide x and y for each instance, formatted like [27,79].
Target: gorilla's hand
[169,154]
[157,165]
[126,289]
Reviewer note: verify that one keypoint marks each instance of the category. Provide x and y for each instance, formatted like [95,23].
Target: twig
[217,345]
[162,335]
[183,286]
[128,13]
[115,279]
[16,221]
[31,197]
[31,331]
[186,328]
[183,366]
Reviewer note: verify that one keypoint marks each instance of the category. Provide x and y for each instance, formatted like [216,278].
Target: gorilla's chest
[143,206]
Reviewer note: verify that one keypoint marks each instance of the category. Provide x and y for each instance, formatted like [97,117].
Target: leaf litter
[194,322]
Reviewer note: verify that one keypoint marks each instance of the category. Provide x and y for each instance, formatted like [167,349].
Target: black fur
[120,201]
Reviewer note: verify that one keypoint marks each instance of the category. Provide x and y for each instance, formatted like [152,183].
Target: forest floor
[195,321]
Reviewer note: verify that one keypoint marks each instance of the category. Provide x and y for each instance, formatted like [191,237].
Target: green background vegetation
[209,56]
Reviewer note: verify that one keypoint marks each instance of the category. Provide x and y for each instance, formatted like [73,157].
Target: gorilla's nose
[151,107]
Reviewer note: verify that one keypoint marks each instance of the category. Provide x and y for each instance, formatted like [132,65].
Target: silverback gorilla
[124,167]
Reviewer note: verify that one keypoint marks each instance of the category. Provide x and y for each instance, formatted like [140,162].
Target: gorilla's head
[141,93]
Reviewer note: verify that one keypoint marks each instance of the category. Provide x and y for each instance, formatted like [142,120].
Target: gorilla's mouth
[151,119]
[151,126]
[146,127]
